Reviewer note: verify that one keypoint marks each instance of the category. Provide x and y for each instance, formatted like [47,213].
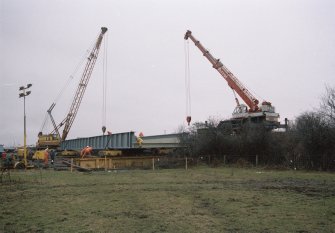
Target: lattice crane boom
[53,139]
[82,85]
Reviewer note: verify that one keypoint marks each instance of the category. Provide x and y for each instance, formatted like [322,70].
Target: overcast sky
[282,50]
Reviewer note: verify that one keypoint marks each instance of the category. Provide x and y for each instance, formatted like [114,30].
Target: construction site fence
[161,162]
[143,162]
[311,162]
[185,162]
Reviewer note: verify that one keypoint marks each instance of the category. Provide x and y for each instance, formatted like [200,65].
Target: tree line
[307,143]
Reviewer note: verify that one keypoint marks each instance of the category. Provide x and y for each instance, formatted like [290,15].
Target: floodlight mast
[23,94]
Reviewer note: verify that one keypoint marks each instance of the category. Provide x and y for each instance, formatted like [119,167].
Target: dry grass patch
[197,200]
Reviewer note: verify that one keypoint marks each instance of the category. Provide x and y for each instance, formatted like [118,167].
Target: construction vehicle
[54,139]
[251,112]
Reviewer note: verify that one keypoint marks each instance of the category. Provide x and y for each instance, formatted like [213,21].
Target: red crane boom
[263,113]
[233,82]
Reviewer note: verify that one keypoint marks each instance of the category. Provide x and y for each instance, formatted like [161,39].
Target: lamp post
[23,94]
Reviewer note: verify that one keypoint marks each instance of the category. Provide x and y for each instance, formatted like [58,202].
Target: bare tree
[327,108]
[315,140]
[309,142]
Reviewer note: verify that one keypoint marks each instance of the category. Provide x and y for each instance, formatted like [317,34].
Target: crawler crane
[251,112]
[53,139]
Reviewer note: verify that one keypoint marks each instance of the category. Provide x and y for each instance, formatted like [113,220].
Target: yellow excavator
[53,139]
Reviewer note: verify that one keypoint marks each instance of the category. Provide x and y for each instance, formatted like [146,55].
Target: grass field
[172,200]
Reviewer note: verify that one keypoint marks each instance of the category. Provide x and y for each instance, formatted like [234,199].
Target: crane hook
[188,119]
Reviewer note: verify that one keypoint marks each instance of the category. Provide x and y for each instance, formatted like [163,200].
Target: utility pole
[23,94]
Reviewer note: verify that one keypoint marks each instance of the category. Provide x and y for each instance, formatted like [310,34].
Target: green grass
[171,200]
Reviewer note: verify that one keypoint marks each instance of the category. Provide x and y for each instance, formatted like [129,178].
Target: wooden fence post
[153,163]
[256,160]
[185,163]
[105,163]
[72,164]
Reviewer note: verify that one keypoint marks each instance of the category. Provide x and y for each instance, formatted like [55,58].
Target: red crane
[264,112]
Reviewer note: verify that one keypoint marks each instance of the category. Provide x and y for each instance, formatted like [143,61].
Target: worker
[9,162]
[46,157]
[30,154]
[86,151]
[139,141]
[52,156]
[3,156]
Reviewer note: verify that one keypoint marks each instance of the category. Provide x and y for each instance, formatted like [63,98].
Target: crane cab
[48,141]
[241,111]
[266,115]
[267,107]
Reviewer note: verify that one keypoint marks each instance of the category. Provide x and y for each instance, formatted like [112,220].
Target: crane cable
[187,81]
[44,122]
[59,95]
[104,84]
[236,99]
